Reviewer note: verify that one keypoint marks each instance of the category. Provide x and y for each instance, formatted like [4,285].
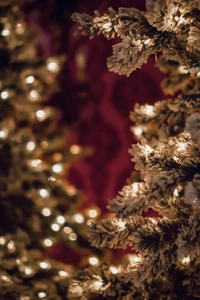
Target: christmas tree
[38,206]
[165,263]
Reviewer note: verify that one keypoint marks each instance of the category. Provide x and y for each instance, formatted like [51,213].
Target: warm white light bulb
[30,79]
[93,260]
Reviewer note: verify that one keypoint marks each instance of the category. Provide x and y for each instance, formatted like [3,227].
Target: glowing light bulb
[60,219]
[3,134]
[41,115]
[107,25]
[36,162]
[30,79]
[137,131]
[71,190]
[176,193]
[43,193]
[114,270]
[98,284]
[67,229]
[57,168]
[75,149]
[55,227]
[48,242]
[31,146]
[52,65]
[181,147]
[34,95]
[73,236]
[121,224]
[2,240]
[93,261]
[5,95]
[78,218]
[134,259]
[42,294]
[148,110]
[153,221]
[63,273]
[44,265]
[92,213]
[147,42]
[46,212]
[5,32]
[11,246]
[186,260]
[28,271]
[135,187]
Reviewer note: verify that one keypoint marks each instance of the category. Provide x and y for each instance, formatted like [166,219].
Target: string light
[5,32]
[55,227]
[63,273]
[135,187]
[36,162]
[92,213]
[148,110]
[34,95]
[31,146]
[60,219]
[75,149]
[98,284]
[28,271]
[48,242]
[3,134]
[11,246]
[114,270]
[78,218]
[93,261]
[41,115]
[46,212]
[44,265]
[67,229]
[42,294]
[71,190]
[30,79]
[176,193]
[2,240]
[57,168]
[43,193]
[137,131]
[4,95]
[134,259]
[52,65]
[186,260]
[181,147]
[73,236]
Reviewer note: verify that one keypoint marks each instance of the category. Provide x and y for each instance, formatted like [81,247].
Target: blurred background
[95,102]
